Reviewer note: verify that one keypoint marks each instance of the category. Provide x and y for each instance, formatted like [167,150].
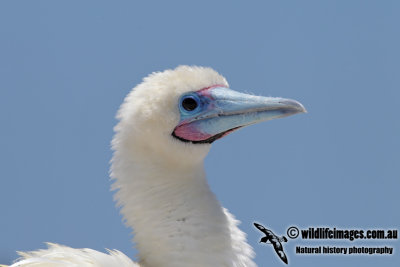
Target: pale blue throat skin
[211,113]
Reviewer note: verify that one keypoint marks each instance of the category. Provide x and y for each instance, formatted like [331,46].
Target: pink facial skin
[189,131]
[206,91]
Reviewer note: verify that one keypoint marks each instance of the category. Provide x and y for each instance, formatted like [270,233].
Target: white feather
[61,256]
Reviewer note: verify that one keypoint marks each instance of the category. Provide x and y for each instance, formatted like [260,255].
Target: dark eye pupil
[189,104]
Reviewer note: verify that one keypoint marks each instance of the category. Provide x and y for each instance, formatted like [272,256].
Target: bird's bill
[226,110]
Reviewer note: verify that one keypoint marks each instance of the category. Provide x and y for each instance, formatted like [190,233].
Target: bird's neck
[176,219]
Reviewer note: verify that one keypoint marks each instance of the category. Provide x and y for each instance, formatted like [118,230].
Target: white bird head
[177,114]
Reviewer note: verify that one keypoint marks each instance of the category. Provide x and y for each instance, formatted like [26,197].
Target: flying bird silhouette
[274,240]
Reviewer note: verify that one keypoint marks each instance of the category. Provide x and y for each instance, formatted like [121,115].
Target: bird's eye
[190,102]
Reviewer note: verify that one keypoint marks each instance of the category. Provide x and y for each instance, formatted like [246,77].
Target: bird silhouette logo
[271,238]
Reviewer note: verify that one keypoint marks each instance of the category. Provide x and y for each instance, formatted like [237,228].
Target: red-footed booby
[166,125]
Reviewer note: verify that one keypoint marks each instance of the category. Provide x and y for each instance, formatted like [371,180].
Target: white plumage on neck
[177,220]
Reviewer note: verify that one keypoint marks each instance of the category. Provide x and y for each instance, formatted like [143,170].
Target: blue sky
[66,66]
